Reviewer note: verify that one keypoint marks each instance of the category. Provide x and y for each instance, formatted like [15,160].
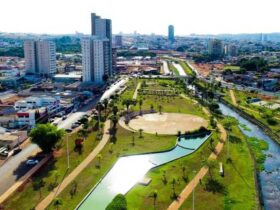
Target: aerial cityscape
[106,120]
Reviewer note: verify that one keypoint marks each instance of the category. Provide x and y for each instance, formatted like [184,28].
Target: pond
[129,170]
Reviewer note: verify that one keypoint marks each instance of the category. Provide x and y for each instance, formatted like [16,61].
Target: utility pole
[193,189]
[68,161]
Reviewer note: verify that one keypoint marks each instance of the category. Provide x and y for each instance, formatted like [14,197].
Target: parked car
[31,162]
[16,151]
[74,125]
[68,130]
[64,117]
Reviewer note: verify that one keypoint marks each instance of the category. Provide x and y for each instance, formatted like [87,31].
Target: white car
[31,162]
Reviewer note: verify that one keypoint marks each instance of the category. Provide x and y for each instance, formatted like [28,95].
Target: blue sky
[143,16]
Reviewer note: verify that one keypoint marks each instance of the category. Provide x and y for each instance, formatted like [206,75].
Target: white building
[50,103]
[40,57]
[95,62]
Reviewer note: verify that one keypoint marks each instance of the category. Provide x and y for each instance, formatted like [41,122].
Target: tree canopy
[46,136]
[118,203]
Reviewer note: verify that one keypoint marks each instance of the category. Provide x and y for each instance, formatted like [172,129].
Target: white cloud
[144,16]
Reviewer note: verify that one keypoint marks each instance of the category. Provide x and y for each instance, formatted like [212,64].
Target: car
[16,151]
[68,130]
[64,117]
[31,162]
[74,125]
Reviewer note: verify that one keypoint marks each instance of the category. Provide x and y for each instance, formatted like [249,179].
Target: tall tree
[46,136]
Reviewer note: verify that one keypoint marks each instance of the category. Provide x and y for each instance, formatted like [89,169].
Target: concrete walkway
[47,201]
[136,91]
[203,171]
[233,99]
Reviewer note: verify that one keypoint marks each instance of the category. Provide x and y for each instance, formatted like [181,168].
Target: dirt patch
[167,123]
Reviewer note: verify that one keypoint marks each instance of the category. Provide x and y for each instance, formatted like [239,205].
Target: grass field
[258,112]
[91,175]
[186,68]
[236,190]
[51,174]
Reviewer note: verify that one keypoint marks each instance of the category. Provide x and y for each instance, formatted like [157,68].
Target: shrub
[118,203]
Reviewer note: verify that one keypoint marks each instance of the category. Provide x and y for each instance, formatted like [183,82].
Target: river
[269,179]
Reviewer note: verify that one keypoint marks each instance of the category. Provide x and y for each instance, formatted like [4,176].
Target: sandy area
[167,123]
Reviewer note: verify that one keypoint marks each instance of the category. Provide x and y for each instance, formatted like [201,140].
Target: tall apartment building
[118,41]
[171,36]
[215,48]
[40,57]
[95,59]
[102,28]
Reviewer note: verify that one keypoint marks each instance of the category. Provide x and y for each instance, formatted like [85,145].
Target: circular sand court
[167,123]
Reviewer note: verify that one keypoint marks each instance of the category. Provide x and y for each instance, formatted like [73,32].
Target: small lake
[129,170]
[270,177]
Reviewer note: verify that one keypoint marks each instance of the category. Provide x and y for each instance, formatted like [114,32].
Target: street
[15,167]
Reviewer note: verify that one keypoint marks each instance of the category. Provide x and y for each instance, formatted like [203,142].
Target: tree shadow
[234,139]
[214,186]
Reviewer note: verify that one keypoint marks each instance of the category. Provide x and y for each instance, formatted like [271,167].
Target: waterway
[129,170]
[269,179]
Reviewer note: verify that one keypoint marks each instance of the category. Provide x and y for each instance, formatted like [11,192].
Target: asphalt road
[15,167]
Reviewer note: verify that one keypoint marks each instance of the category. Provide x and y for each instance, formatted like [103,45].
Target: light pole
[68,161]
[193,189]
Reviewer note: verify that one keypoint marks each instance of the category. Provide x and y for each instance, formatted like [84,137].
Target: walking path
[136,91]
[203,171]
[47,201]
[179,68]
[233,99]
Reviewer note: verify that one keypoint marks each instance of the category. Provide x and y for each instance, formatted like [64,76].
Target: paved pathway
[136,91]
[46,202]
[233,97]
[203,171]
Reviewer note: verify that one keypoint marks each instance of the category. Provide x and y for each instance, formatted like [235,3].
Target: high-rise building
[215,48]
[232,50]
[102,28]
[171,37]
[95,60]
[118,41]
[40,57]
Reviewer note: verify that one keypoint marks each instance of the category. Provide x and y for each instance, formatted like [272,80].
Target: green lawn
[236,189]
[140,196]
[186,68]
[173,69]
[54,171]
[258,112]
[233,68]
[91,175]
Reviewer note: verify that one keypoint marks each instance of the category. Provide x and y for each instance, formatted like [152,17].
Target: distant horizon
[132,33]
[192,16]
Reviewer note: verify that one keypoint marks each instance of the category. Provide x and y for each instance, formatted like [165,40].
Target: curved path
[47,201]
[203,171]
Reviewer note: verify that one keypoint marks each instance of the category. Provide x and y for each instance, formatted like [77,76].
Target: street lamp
[68,161]
[193,189]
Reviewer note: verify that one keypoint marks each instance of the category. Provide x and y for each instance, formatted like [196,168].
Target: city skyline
[222,16]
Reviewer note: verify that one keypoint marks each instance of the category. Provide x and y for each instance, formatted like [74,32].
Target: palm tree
[179,135]
[173,183]
[140,105]
[160,109]
[105,103]
[164,178]
[155,195]
[115,110]
[211,164]
[57,202]
[99,109]
[83,133]
[99,157]
[114,120]
[184,171]
[141,133]
[127,103]
[152,107]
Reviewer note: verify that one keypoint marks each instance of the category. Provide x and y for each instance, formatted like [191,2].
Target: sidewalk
[203,171]
[136,91]
[47,201]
